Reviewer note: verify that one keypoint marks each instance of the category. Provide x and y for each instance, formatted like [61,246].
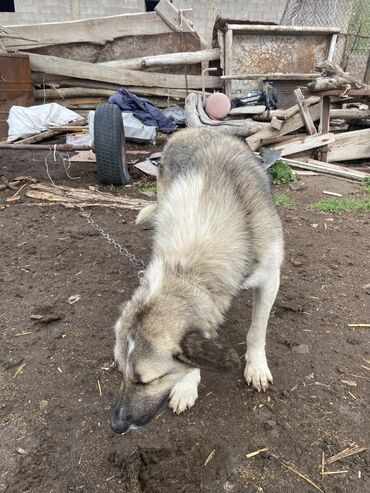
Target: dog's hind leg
[185,392]
[256,370]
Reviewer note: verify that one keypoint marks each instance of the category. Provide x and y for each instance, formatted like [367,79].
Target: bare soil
[54,422]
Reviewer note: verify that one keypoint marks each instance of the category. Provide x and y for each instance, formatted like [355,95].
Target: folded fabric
[142,109]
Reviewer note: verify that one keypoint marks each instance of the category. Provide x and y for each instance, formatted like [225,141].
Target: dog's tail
[146,214]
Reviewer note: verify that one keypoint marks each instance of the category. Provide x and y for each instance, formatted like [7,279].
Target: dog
[216,231]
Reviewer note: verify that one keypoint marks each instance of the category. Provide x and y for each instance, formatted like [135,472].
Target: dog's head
[155,347]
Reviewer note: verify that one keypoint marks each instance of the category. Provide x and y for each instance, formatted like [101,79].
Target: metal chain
[122,249]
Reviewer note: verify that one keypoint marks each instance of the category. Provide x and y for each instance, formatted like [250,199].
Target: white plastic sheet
[135,130]
[24,122]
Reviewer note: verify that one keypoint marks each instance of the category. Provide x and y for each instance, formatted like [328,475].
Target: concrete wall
[204,11]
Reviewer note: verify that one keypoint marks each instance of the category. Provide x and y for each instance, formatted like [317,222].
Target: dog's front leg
[256,370]
[185,392]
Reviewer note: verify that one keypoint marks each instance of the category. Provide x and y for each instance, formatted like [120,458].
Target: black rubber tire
[109,142]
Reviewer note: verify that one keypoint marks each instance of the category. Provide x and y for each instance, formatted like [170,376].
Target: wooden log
[294,123]
[270,29]
[181,58]
[328,169]
[349,114]
[139,91]
[306,116]
[91,71]
[270,76]
[95,30]
[350,145]
[305,143]
[44,147]
[193,119]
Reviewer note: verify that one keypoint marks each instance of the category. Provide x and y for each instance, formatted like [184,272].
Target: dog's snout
[120,420]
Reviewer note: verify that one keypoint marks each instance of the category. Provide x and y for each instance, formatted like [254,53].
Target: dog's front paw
[185,392]
[257,372]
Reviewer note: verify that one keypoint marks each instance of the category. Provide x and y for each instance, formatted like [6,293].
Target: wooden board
[306,116]
[96,30]
[350,145]
[290,125]
[73,68]
[305,143]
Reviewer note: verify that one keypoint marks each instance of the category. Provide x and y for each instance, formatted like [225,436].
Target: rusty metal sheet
[277,53]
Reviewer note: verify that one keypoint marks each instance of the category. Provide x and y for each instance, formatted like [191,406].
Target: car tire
[109,142]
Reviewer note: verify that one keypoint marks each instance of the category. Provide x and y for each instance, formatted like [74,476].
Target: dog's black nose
[120,422]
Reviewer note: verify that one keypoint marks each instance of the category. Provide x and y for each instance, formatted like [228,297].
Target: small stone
[43,404]
[10,361]
[296,262]
[301,349]
[21,451]
[296,186]
[367,288]
[353,340]
[269,424]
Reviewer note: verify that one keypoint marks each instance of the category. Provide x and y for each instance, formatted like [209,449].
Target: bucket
[15,86]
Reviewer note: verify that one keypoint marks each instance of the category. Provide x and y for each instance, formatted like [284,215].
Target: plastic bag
[135,130]
[24,122]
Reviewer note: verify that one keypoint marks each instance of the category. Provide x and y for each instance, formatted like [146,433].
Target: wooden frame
[258,29]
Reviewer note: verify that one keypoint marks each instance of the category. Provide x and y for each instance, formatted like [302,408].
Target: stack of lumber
[81,63]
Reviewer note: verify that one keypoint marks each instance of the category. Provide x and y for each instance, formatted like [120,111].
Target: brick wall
[204,11]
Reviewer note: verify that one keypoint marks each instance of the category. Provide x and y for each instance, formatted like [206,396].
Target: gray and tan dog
[216,231]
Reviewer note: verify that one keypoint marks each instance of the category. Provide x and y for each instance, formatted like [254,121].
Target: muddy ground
[54,422]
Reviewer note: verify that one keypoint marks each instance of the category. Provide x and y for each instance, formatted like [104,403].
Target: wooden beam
[350,114]
[306,116]
[173,17]
[302,144]
[328,169]
[324,122]
[290,125]
[181,58]
[350,145]
[272,29]
[248,110]
[95,30]
[333,43]
[271,76]
[91,71]
[338,92]
[228,61]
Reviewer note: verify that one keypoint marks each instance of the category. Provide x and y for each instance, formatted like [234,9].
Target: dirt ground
[56,391]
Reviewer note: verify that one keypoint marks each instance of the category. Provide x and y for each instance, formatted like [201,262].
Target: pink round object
[218,105]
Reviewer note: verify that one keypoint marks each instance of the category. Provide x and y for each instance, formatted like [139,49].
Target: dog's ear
[207,354]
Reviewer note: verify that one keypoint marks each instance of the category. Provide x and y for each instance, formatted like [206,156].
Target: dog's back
[216,218]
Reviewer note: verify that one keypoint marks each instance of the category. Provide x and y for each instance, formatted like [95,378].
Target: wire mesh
[353,19]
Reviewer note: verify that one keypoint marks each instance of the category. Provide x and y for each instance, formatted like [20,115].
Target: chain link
[122,249]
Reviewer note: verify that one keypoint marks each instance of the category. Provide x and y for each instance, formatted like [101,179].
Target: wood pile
[81,63]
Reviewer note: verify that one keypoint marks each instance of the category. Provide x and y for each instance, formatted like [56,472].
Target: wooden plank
[91,71]
[183,58]
[350,114]
[140,91]
[306,116]
[290,125]
[95,30]
[338,92]
[350,145]
[332,46]
[228,61]
[173,17]
[271,76]
[221,44]
[328,169]
[248,110]
[272,29]
[289,112]
[276,123]
[41,136]
[305,143]
[324,122]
